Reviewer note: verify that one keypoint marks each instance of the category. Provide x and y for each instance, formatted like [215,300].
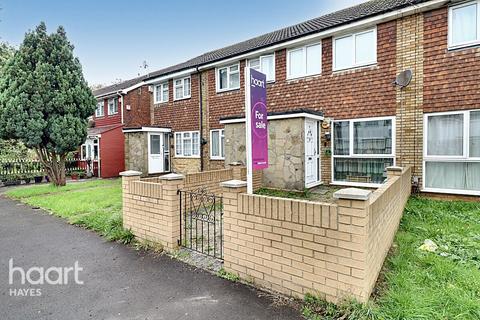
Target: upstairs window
[228,78]
[112,106]
[463,24]
[99,110]
[304,61]
[217,144]
[182,88]
[187,144]
[355,50]
[160,93]
[264,64]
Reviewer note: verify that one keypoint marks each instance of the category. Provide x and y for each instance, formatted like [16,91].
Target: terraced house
[337,115]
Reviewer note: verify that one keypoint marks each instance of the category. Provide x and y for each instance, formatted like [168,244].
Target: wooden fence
[26,168]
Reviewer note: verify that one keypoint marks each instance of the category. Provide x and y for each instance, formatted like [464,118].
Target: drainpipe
[201,118]
[121,103]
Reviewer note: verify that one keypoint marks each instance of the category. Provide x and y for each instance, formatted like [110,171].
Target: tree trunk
[54,165]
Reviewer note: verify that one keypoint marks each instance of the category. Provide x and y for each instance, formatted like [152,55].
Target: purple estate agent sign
[258,118]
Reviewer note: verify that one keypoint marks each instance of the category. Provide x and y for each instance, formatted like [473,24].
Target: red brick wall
[451,78]
[107,120]
[180,115]
[112,153]
[139,102]
[363,92]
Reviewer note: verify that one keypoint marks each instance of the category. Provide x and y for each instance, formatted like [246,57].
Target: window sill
[227,90]
[186,157]
[452,191]
[160,102]
[289,78]
[354,68]
[112,114]
[184,98]
[460,47]
[356,184]
[217,158]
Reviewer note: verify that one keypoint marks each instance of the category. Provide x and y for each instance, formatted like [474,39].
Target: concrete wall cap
[234,184]
[352,194]
[394,168]
[130,173]
[172,176]
[236,163]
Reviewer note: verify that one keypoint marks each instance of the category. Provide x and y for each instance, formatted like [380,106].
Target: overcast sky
[113,38]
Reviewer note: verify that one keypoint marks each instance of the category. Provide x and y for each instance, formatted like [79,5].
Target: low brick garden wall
[296,247]
[290,246]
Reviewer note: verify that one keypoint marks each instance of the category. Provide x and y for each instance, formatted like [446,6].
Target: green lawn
[425,285]
[95,205]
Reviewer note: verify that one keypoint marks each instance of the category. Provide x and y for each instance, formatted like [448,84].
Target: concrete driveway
[118,282]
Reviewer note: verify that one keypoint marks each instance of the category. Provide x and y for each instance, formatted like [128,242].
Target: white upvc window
[228,77]
[355,50]
[89,150]
[112,106]
[464,24]
[451,156]
[100,110]
[182,88]
[187,144]
[362,149]
[264,64]
[217,144]
[160,92]
[304,61]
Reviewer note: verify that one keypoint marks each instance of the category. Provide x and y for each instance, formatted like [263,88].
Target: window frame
[97,115]
[175,98]
[182,134]
[221,148]
[465,157]
[451,45]
[259,58]
[155,91]
[352,155]
[355,65]
[217,77]
[304,53]
[115,101]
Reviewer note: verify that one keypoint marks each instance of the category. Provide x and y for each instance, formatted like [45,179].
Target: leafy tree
[44,99]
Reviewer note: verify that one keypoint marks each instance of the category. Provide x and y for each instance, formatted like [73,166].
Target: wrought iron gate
[201,222]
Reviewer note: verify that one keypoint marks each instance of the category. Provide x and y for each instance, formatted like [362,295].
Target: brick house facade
[367,122]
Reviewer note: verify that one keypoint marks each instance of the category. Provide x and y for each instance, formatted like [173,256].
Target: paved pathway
[119,282]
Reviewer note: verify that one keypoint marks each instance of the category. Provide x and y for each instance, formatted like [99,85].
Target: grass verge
[95,205]
[444,284]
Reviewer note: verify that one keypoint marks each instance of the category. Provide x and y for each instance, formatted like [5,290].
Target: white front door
[312,153]
[155,153]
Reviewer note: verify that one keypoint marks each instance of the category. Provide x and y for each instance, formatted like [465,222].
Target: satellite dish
[403,78]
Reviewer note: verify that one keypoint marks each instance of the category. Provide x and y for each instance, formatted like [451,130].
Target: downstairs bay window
[362,150]
[452,152]
[187,144]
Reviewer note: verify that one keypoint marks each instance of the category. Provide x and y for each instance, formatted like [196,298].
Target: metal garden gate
[201,222]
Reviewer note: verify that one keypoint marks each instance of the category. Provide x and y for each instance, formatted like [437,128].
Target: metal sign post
[256,130]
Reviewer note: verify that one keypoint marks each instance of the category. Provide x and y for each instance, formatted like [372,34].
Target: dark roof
[325,22]
[278,113]
[117,87]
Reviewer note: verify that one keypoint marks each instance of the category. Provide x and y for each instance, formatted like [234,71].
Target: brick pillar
[238,169]
[127,197]
[170,203]
[231,192]
[394,171]
[353,219]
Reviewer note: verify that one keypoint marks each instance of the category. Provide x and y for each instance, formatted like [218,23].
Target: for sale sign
[258,119]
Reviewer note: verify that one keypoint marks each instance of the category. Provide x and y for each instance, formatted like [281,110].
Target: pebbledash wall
[289,246]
